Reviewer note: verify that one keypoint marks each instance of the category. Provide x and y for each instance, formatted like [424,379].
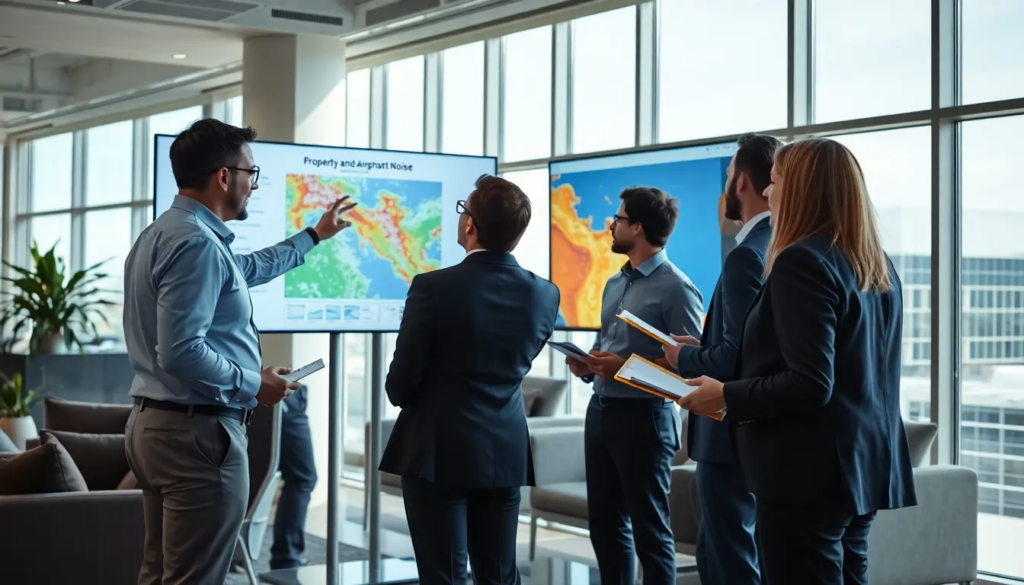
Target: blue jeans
[298,471]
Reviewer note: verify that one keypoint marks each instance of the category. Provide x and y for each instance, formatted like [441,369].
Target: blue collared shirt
[660,294]
[187,312]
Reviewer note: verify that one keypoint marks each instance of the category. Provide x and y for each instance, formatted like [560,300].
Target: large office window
[992,67]
[462,100]
[404,107]
[992,336]
[533,252]
[51,172]
[108,239]
[526,92]
[48,231]
[896,166]
[604,81]
[707,87]
[108,168]
[871,57]
[357,108]
[167,123]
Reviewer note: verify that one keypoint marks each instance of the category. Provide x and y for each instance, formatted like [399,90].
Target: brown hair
[654,209]
[823,192]
[501,212]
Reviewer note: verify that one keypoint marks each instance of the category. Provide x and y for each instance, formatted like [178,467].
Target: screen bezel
[608,155]
[493,159]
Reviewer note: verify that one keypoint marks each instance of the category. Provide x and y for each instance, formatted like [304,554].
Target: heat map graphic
[395,235]
[582,207]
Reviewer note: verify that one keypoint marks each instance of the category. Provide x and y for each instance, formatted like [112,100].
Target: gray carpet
[316,552]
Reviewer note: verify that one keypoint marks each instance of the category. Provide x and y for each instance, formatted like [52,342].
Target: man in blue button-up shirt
[631,436]
[196,353]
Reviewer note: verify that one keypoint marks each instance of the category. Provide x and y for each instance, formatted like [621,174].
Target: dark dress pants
[450,525]
[810,546]
[629,444]
[726,543]
[298,471]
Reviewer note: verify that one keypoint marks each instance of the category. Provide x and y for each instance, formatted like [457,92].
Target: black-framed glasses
[617,218]
[254,173]
[460,206]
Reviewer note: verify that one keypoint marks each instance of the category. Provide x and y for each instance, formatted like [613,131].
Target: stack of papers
[646,328]
[654,379]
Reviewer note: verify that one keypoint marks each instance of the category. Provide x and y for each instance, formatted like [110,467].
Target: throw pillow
[100,458]
[85,417]
[45,469]
[6,444]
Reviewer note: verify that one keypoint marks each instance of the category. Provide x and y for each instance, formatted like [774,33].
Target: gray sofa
[74,537]
[932,543]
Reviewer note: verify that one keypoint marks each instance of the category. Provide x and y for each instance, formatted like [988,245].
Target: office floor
[395,540]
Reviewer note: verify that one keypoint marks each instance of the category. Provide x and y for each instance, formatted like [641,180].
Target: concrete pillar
[293,90]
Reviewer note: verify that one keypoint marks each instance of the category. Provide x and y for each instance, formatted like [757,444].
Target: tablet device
[296,375]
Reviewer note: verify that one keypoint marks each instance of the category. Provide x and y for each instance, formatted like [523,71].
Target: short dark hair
[204,147]
[755,157]
[501,212]
[654,209]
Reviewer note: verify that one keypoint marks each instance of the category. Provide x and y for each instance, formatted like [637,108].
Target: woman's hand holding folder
[707,399]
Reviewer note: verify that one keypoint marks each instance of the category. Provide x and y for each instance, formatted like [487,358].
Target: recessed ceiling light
[73,1]
[180,56]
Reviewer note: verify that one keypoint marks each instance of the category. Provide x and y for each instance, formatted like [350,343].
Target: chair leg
[533,536]
[247,562]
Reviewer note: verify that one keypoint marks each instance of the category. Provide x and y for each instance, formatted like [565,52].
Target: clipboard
[649,377]
[645,327]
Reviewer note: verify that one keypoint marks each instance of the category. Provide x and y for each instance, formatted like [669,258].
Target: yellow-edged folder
[654,379]
[646,328]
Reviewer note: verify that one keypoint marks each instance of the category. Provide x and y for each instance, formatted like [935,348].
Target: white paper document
[652,377]
[296,375]
[646,328]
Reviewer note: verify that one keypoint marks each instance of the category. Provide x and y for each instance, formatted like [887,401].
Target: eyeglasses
[460,206]
[254,173]
[617,218]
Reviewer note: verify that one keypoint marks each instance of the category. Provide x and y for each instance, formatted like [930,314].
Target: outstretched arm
[262,266]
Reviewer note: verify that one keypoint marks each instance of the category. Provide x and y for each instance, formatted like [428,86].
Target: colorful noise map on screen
[582,206]
[395,235]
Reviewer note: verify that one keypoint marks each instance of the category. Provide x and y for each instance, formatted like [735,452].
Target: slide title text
[355,164]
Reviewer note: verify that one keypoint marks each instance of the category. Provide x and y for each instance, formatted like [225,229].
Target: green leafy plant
[15,402]
[46,302]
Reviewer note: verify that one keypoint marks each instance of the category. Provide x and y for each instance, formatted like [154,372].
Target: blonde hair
[823,192]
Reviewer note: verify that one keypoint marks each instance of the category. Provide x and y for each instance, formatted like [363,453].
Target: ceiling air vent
[307,17]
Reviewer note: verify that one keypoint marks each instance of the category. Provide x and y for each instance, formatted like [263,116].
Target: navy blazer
[815,412]
[468,337]
[742,274]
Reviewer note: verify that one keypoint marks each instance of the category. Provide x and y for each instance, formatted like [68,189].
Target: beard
[733,205]
[242,198]
[620,247]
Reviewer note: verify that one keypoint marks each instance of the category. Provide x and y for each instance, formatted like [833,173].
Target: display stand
[376,396]
[335,453]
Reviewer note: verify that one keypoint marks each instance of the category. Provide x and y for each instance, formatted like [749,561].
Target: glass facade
[591,85]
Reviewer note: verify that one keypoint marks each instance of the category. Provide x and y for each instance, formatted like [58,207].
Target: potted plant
[57,310]
[15,410]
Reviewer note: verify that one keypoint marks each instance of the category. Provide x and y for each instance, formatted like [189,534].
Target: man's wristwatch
[312,233]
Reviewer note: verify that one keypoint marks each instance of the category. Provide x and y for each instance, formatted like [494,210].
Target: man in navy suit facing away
[726,546]
[468,337]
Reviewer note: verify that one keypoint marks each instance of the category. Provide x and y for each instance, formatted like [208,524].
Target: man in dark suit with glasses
[468,337]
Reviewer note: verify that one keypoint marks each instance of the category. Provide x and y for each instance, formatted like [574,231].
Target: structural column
[293,90]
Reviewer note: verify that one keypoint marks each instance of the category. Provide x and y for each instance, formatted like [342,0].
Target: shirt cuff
[303,241]
[250,386]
